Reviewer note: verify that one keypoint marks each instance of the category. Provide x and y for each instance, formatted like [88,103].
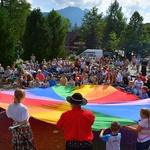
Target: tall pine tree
[8,38]
[37,37]
[92,27]
[18,11]
[115,23]
[132,36]
[58,26]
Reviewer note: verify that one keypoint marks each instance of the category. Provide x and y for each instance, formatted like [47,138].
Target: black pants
[76,145]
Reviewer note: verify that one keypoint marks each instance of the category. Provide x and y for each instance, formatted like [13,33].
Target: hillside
[74,14]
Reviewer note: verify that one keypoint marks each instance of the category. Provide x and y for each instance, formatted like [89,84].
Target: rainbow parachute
[107,103]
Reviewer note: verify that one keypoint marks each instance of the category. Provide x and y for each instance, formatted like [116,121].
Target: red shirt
[143,79]
[40,76]
[76,124]
[79,76]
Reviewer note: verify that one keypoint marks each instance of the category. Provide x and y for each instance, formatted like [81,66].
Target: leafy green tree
[146,40]
[18,11]
[8,39]
[115,23]
[91,30]
[58,26]
[37,37]
[114,41]
[132,36]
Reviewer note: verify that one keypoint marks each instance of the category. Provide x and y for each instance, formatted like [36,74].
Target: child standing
[143,130]
[112,140]
[19,113]
[138,84]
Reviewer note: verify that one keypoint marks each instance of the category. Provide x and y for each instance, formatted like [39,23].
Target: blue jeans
[137,91]
[143,146]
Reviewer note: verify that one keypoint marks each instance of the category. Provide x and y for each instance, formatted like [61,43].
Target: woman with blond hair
[19,113]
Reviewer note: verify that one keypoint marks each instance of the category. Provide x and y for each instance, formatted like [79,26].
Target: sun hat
[76,99]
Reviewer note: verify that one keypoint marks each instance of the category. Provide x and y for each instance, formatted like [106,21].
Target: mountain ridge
[74,14]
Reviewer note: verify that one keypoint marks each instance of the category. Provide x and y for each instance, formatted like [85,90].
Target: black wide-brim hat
[76,99]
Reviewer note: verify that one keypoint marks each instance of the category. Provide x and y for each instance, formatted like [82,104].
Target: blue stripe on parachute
[46,92]
[129,112]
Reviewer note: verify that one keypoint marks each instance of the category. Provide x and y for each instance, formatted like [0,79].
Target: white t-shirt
[144,134]
[112,141]
[83,65]
[18,112]
[119,77]
[138,83]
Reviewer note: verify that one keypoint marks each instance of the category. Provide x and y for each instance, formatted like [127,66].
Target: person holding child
[112,140]
[143,130]
[19,113]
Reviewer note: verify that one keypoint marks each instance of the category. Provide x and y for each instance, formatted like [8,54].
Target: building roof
[71,37]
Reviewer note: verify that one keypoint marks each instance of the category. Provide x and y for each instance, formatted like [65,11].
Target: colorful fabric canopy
[106,102]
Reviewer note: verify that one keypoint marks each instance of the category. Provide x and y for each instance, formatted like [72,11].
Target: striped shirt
[144,134]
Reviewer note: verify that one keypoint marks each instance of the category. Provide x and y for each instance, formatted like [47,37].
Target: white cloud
[128,6]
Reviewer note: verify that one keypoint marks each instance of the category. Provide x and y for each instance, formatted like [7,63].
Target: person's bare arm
[137,129]
[101,133]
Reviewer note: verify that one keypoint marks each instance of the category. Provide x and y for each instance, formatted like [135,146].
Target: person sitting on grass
[52,81]
[144,93]
[45,83]
[95,80]
[37,83]
[77,82]
[112,140]
[127,89]
[6,76]
[85,79]
[40,76]
[63,80]
[108,79]
[25,83]
[71,82]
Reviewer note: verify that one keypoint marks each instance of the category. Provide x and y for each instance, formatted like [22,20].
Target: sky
[128,6]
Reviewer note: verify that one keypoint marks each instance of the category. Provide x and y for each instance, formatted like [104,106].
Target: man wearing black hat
[76,124]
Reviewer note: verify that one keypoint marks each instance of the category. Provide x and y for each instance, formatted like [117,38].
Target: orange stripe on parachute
[100,92]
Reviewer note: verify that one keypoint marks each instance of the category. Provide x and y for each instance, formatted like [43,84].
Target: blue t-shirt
[52,82]
[144,96]
[112,141]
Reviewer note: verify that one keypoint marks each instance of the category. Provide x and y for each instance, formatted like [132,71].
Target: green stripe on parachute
[104,121]
[63,91]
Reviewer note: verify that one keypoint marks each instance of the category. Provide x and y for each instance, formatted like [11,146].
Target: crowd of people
[106,71]
[77,122]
